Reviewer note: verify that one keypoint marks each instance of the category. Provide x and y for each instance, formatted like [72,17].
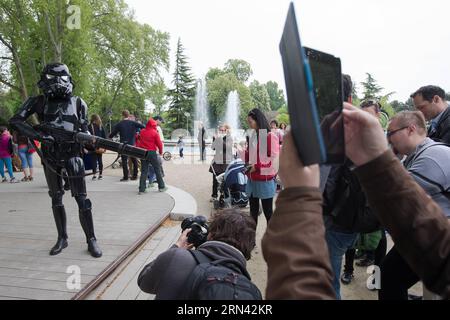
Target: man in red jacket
[149,139]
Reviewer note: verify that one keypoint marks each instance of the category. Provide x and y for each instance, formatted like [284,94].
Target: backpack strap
[199,256]
[423,150]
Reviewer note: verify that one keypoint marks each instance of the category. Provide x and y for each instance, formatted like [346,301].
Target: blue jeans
[26,158]
[151,174]
[8,163]
[338,243]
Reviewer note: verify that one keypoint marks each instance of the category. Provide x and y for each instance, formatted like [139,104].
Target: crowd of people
[395,181]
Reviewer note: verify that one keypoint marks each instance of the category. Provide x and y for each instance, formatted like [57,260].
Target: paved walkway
[27,232]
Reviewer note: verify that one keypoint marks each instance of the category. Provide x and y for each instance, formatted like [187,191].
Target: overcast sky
[404,44]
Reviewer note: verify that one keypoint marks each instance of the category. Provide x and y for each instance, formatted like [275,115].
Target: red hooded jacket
[149,139]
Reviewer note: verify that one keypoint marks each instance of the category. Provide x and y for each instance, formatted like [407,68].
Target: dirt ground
[192,175]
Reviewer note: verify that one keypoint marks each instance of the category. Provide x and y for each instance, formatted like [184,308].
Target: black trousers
[97,159]
[267,205]
[153,160]
[215,187]
[396,277]
[125,167]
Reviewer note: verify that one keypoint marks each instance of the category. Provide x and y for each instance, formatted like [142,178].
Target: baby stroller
[232,186]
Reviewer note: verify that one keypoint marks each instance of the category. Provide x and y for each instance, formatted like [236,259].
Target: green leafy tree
[158,96]
[283,115]
[214,73]
[240,68]
[260,96]
[183,94]
[113,59]
[218,90]
[276,95]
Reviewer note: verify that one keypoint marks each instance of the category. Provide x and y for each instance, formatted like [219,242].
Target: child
[6,152]
[180,145]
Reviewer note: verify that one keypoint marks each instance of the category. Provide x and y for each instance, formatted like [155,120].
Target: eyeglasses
[391,133]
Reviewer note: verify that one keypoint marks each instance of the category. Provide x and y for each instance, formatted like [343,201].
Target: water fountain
[232,114]
[233,110]
[201,103]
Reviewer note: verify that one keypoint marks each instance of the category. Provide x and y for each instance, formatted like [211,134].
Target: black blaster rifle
[86,139]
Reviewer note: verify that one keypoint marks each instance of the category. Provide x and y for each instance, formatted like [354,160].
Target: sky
[404,44]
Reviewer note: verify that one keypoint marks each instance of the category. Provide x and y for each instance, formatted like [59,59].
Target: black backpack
[350,210]
[10,147]
[211,281]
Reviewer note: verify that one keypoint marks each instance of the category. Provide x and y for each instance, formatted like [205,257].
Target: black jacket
[127,130]
[345,205]
[165,276]
[442,132]
[97,131]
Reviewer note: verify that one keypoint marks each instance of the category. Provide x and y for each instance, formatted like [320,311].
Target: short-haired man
[430,100]
[127,129]
[428,162]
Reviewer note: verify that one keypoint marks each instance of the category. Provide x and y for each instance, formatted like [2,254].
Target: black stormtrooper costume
[57,107]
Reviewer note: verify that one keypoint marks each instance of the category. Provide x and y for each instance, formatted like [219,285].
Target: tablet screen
[327,82]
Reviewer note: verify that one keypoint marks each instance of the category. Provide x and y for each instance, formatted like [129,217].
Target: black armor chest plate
[62,114]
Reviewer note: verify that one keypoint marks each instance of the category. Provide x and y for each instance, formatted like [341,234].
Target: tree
[276,95]
[371,89]
[240,68]
[183,93]
[218,90]
[158,96]
[113,59]
[260,96]
[399,106]
[214,73]
[283,115]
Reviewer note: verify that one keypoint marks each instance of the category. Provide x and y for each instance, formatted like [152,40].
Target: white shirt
[160,132]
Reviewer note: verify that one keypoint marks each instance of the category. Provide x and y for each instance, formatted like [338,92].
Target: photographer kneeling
[181,273]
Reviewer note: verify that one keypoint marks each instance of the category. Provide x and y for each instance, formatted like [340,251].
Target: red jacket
[149,139]
[266,164]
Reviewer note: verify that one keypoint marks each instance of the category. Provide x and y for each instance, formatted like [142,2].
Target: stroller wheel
[167,156]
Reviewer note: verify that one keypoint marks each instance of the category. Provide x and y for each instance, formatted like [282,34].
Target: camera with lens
[199,229]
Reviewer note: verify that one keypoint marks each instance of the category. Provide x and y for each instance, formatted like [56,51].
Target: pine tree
[371,89]
[183,94]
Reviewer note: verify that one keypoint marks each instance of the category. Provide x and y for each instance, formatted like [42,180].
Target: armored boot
[59,213]
[87,224]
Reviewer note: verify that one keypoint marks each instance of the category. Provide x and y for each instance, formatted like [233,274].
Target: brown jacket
[295,250]
[294,244]
[416,223]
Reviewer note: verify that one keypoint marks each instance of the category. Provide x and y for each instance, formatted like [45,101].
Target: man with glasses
[428,162]
[430,100]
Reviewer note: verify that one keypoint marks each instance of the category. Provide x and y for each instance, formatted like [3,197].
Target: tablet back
[304,119]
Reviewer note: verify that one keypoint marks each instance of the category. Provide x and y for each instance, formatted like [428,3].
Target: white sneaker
[212,199]
[4,180]
[14,180]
